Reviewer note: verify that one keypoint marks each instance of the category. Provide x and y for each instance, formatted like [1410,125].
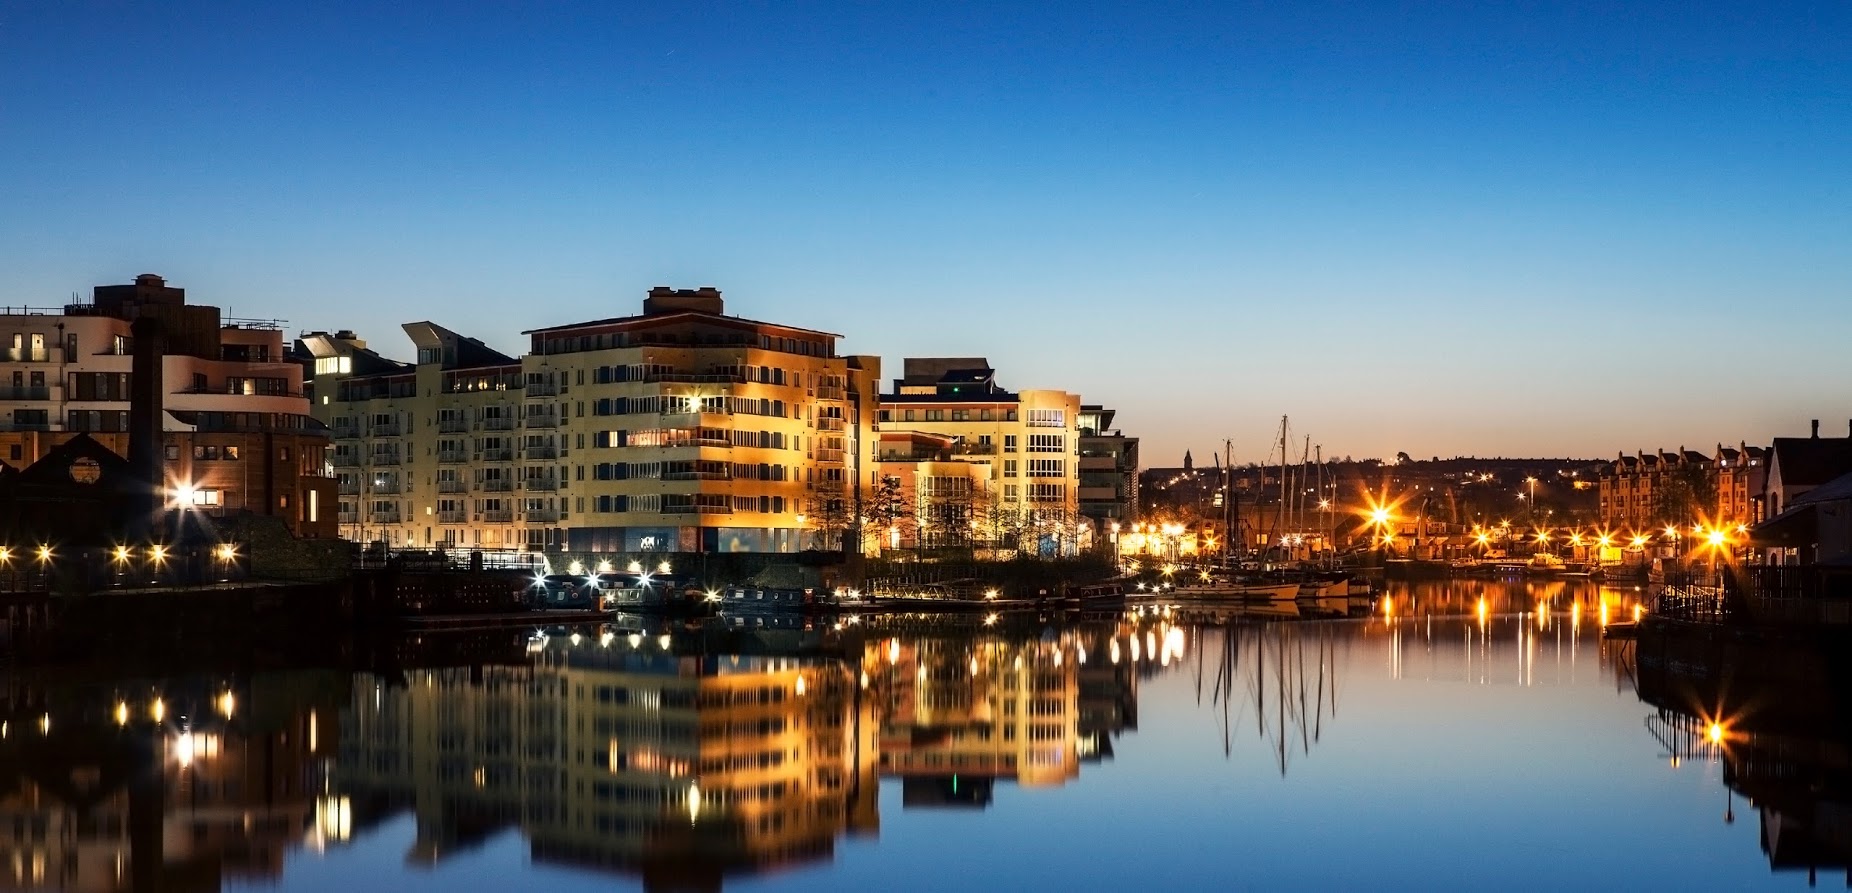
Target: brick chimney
[147,448]
[1816,429]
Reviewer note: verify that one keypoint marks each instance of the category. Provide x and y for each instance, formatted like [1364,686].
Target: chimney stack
[1816,429]
[147,450]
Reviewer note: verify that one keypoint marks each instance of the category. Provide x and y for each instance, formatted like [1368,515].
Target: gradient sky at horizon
[1458,229]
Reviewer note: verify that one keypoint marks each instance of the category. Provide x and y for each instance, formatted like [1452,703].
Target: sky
[1536,229]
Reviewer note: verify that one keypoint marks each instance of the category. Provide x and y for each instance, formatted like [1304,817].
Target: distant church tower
[1188,463]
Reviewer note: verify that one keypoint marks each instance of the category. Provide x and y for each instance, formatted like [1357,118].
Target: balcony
[345,461]
[387,488]
[504,454]
[829,393]
[542,516]
[452,426]
[383,459]
[452,517]
[497,516]
[542,452]
[347,488]
[453,486]
[452,457]
[697,476]
[26,355]
[829,455]
[973,449]
[539,484]
[542,421]
[498,485]
[828,423]
[498,423]
[384,518]
[541,389]
[693,378]
[346,432]
[347,518]
[25,392]
[387,430]
[696,510]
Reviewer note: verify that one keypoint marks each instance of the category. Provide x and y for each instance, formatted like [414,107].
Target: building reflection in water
[626,752]
[1774,710]
[169,785]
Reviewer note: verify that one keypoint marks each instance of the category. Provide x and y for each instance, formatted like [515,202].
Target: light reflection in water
[709,763]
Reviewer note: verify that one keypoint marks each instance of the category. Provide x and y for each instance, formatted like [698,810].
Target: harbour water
[1468,735]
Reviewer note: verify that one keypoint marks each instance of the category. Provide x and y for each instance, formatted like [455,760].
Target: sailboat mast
[1279,531]
[1231,511]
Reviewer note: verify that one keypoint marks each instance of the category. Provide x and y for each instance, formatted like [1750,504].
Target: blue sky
[1474,228]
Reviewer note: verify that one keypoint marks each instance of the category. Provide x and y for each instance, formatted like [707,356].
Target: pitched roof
[1812,461]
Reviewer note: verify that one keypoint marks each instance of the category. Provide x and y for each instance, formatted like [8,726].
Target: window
[1009,443]
[935,415]
[1045,443]
[1046,468]
[1046,418]
[1009,468]
[909,415]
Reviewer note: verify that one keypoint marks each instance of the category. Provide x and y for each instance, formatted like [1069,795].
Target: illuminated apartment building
[680,429]
[1019,484]
[237,429]
[424,453]
[695,431]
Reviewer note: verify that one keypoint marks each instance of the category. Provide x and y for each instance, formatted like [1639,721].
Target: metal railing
[346,432]
[383,459]
[27,354]
[452,457]
[542,421]
[453,486]
[389,430]
[542,452]
[452,426]
[498,485]
[497,516]
[542,389]
[25,392]
[452,517]
[542,516]
[693,378]
[697,510]
[539,484]
[498,423]
[347,461]
[697,476]
[504,454]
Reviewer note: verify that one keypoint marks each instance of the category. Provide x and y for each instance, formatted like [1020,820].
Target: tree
[1684,495]
[889,509]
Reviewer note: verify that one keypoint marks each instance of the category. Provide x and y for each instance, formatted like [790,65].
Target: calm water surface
[1460,739]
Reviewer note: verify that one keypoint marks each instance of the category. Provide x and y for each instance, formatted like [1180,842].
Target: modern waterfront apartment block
[679,429]
[237,430]
[1008,470]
